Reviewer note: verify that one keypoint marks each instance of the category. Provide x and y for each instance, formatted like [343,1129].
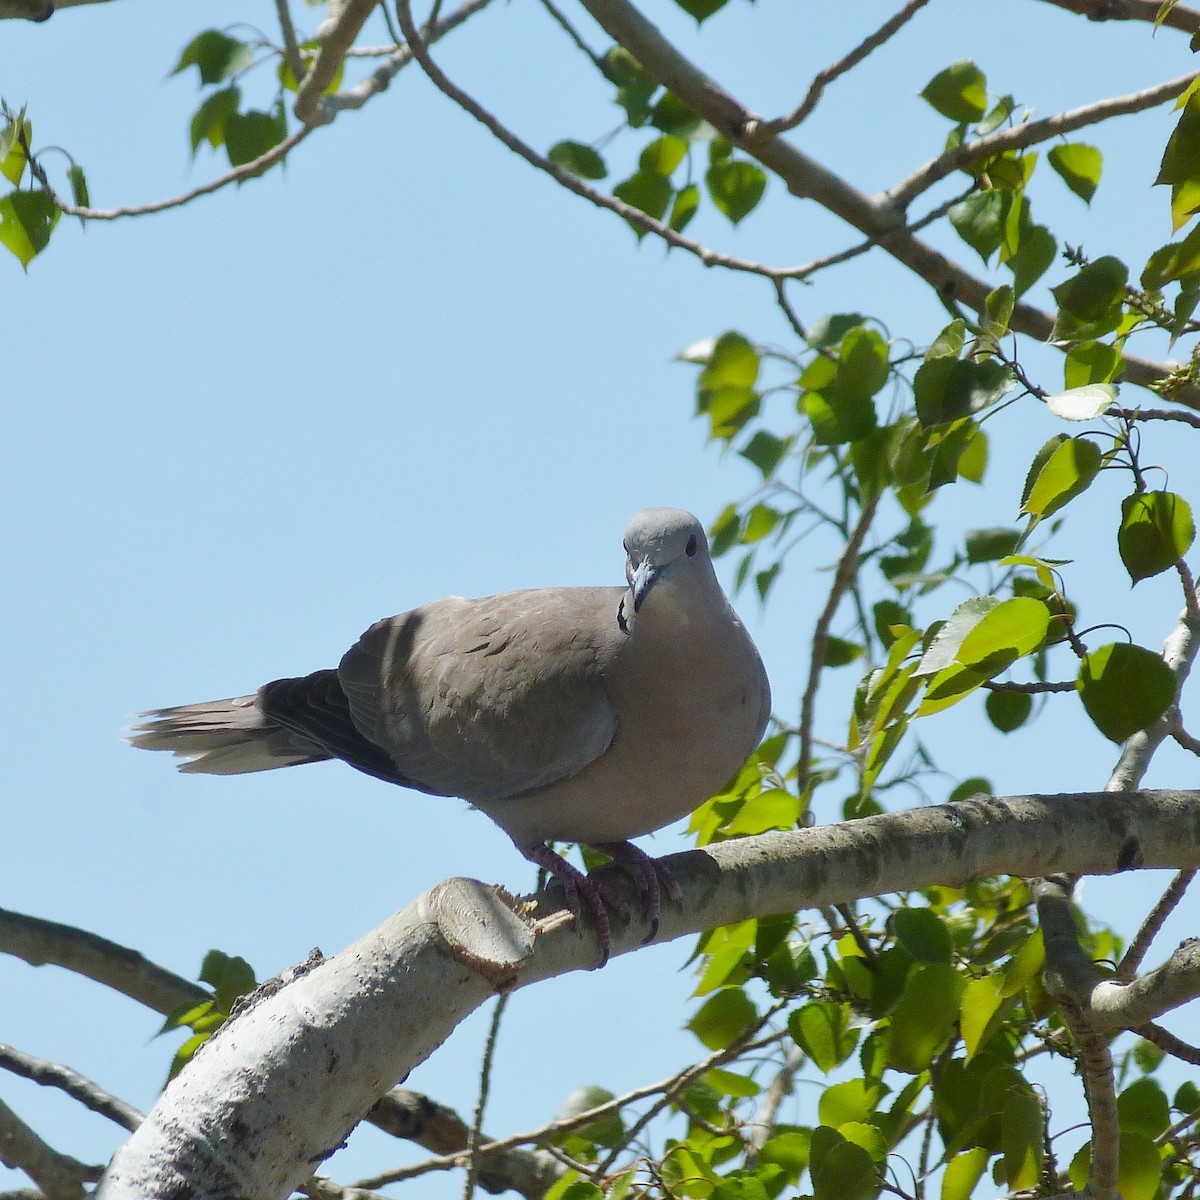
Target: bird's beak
[641,580]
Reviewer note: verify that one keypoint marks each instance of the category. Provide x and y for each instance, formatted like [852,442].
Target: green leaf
[1172,261]
[646,191]
[765,451]
[1124,688]
[925,1018]
[730,1084]
[828,331]
[1090,302]
[1139,1170]
[723,1018]
[12,151]
[1157,530]
[990,545]
[671,115]
[943,650]
[923,934]
[1091,362]
[1066,471]
[1147,1055]
[1022,1125]
[963,1172]
[998,310]
[1143,1108]
[977,785]
[26,221]
[732,362]
[863,367]
[1180,166]
[787,1148]
[1078,166]
[822,1030]
[687,201]
[949,389]
[79,187]
[981,1002]
[250,135]
[1084,403]
[1032,258]
[1008,710]
[603,1131]
[701,9]
[839,1169]
[231,977]
[663,155]
[208,124]
[959,92]
[853,1100]
[735,186]
[579,159]
[216,55]
[840,653]
[979,221]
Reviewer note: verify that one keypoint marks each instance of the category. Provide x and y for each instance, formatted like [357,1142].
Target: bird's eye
[690,548]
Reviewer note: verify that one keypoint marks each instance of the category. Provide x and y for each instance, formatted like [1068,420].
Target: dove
[591,715]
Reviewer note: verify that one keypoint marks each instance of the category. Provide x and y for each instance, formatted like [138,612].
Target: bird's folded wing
[492,698]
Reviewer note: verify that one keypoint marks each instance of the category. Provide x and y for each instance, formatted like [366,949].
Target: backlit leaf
[1124,688]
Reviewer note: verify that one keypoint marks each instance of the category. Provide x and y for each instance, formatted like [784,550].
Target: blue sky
[239,432]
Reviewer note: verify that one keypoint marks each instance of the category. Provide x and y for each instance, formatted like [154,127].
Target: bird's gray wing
[487,699]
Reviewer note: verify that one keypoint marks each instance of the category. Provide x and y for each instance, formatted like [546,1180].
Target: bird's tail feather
[224,737]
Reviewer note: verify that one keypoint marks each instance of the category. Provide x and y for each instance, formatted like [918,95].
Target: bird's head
[667,549]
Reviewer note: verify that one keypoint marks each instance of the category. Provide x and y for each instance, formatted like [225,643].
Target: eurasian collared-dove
[584,714]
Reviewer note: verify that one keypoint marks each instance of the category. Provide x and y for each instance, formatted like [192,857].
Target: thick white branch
[285,1081]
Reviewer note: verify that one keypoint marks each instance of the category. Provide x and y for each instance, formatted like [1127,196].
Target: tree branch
[1030,134]
[846,63]
[1180,17]
[1144,938]
[878,218]
[91,1095]
[280,1085]
[39,943]
[381,78]
[59,1176]
[1069,976]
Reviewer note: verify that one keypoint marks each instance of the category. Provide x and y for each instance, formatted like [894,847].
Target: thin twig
[1164,1039]
[846,63]
[573,34]
[485,1083]
[1128,966]
[264,162]
[1182,737]
[1154,414]
[1188,580]
[846,565]
[738,1047]
[398,57]
[635,216]
[291,48]
[1031,133]
[78,1087]
[544,1134]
